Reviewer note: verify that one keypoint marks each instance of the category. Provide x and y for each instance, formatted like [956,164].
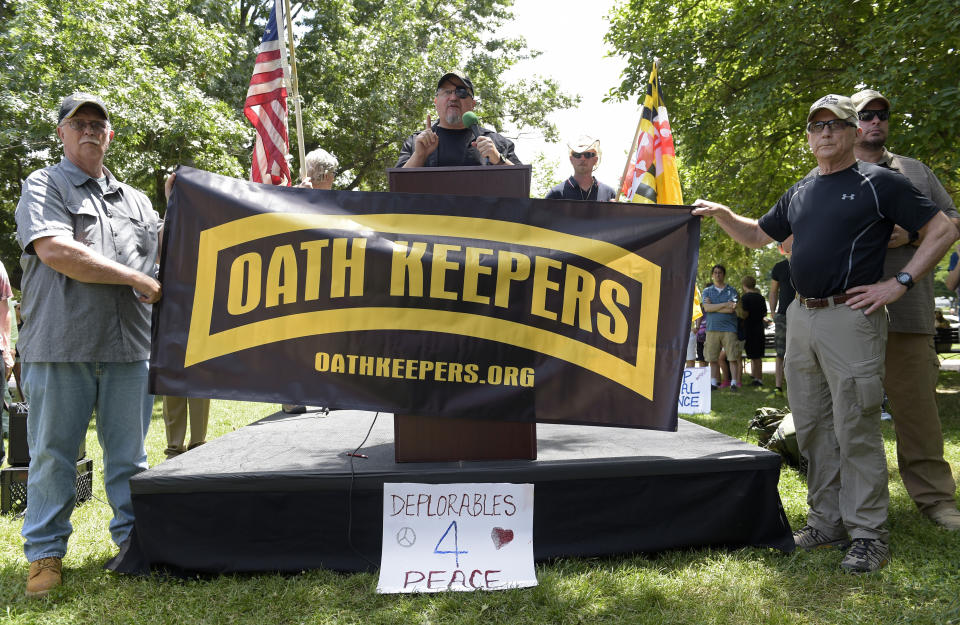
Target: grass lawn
[920,585]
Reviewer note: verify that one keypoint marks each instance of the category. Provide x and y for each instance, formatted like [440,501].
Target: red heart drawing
[501,536]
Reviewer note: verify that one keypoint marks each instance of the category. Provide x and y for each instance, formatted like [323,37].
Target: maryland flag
[651,175]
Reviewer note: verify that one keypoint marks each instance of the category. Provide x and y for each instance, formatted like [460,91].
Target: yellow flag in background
[650,176]
[697,308]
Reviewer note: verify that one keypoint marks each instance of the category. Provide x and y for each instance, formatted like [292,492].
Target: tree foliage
[739,78]
[369,70]
[175,73]
[157,66]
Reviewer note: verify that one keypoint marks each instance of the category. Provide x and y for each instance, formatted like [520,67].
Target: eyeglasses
[833,124]
[462,92]
[867,116]
[80,125]
[583,154]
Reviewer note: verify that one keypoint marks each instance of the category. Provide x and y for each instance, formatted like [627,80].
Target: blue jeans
[62,397]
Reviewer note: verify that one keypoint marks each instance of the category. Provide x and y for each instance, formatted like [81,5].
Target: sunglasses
[462,92]
[80,125]
[583,154]
[832,124]
[867,116]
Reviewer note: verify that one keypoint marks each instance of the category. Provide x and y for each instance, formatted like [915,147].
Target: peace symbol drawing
[406,537]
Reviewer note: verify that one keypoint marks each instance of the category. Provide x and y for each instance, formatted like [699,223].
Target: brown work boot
[45,574]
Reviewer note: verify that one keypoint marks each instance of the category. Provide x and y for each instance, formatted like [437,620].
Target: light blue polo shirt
[719,321]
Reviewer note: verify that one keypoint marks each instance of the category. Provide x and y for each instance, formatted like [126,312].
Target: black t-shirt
[454,149]
[781,273]
[570,189]
[841,224]
[756,308]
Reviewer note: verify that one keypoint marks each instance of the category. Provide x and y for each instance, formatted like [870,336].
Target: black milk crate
[13,486]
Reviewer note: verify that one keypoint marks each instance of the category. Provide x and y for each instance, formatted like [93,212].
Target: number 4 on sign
[456,546]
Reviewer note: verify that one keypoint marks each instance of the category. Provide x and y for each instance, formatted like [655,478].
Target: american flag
[266,106]
[652,176]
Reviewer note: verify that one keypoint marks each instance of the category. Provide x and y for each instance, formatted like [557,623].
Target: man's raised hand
[427,141]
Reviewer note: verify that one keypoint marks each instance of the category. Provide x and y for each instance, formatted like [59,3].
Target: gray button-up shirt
[65,320]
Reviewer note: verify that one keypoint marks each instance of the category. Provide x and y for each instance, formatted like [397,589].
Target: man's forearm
[742,230]
[415,160]
[77,261]
[721,307]
[937,235]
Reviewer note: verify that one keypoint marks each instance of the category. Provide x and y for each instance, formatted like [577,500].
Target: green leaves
[175,74]
[739,78]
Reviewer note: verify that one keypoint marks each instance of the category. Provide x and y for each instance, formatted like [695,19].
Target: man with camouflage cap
[912,366]
[841,220]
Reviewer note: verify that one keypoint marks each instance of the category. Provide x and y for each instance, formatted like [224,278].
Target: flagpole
[294,88]
[626,165]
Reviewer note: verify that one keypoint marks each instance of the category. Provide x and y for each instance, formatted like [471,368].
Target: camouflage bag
[776,432]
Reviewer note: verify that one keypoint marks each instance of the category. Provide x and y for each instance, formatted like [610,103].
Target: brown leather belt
[823,302]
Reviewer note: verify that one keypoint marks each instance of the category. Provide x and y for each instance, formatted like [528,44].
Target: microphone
[471,121]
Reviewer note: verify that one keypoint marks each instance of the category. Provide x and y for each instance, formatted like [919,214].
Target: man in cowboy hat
[585,157]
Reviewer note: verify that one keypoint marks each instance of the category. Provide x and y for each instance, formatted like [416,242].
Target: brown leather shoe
[45,574]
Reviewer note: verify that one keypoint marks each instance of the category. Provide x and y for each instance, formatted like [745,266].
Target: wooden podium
[438,439]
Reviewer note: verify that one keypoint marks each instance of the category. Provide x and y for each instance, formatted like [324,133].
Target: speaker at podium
[439,439]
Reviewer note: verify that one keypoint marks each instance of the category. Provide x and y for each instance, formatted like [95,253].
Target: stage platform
[281,495]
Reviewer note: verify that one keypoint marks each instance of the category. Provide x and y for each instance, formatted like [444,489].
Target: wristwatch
[905,279]
[913,237]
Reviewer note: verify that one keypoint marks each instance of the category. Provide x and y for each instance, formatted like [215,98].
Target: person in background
[6,342]
[755,308]
[585,157]
[782,295]
[6,347]
[719,305]
[321,169]
[701,339]
[177,411]
[912,365]
[953,274]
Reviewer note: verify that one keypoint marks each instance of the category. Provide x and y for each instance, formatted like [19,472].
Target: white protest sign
[694,391]
[439,537]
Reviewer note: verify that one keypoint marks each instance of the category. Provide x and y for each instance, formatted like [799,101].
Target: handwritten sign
[462,537]
[694,391]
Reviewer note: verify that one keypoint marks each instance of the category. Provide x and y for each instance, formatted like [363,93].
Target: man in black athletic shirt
[448,143]
[841,220]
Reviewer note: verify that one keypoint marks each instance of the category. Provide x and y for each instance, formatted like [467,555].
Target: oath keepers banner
[438,305]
